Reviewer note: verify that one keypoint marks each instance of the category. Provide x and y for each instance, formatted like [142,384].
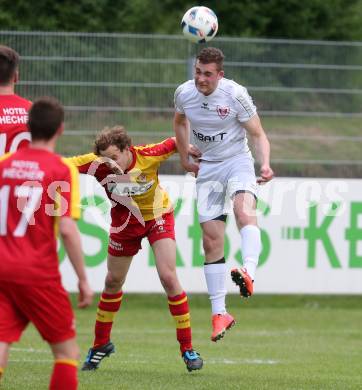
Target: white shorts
[218,181]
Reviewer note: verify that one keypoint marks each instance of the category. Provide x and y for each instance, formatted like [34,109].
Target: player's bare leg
[117,267]
[215,275]
[108,306]
[165,255]
[66,357]
[245,215]
[4,355]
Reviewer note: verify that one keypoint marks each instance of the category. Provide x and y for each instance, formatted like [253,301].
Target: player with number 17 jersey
[43,186]
[14,133]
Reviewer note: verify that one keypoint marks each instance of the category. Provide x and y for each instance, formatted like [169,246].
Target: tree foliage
[309,19]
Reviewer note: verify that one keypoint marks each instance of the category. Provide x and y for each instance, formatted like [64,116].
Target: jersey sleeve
[71,197]
[158,152]
[243,104]
[177,100]
[82,162]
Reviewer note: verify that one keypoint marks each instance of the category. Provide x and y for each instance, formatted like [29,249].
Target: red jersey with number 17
[36,188]
[14,132]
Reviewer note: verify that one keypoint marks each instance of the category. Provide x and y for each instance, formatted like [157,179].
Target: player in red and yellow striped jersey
[39,191]
[141,208]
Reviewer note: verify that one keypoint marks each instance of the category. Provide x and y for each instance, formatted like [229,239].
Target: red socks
[179,309]
[108,306]
[64,375]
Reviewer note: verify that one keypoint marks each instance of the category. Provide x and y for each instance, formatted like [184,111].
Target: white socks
[215,273]
[250,248]
[215,280]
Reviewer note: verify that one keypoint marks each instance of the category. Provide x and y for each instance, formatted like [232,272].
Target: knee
[212,242]
[113,282]
[75,353]
[71,352]
[243,219]
[169,282]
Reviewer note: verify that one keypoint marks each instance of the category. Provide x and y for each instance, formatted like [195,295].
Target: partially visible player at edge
[39,195]
[14,109]
[141,208]
[220,113]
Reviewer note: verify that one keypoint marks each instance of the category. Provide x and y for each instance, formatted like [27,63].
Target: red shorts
[128,241]
[47,307]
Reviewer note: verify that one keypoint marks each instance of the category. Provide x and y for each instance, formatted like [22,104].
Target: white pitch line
[242,361]
[209,361]
[131,331]
[171,330]
[31,360]
[213,361]
[135,361]
[32,350]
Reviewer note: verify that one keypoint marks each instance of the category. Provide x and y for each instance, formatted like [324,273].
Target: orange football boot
[220,324]
[242,279]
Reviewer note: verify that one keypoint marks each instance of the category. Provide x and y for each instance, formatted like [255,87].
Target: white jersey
[216,120]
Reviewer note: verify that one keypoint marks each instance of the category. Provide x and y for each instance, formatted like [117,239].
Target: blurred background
[119,62]
[124,61]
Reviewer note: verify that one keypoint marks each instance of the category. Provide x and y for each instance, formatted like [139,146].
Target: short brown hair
[9,61]
[108,136]
[45,117]
[210,55]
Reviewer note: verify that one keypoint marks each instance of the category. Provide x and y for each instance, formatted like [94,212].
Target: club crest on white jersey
[223,112]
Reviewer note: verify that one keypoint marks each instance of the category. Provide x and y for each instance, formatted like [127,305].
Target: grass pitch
[279,342]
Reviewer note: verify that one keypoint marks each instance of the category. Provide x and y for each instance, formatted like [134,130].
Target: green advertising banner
[311,232]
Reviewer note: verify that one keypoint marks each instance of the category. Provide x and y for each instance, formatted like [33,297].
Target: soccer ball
[199,24]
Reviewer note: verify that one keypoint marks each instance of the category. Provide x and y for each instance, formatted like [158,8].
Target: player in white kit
[218,114]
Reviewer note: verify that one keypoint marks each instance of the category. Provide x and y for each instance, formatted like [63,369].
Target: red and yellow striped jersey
[138,189]
[36,188]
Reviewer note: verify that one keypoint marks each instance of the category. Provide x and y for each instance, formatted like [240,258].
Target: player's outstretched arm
[193,151]
[182,132]
[72,243]
[82,162]
[262,147]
